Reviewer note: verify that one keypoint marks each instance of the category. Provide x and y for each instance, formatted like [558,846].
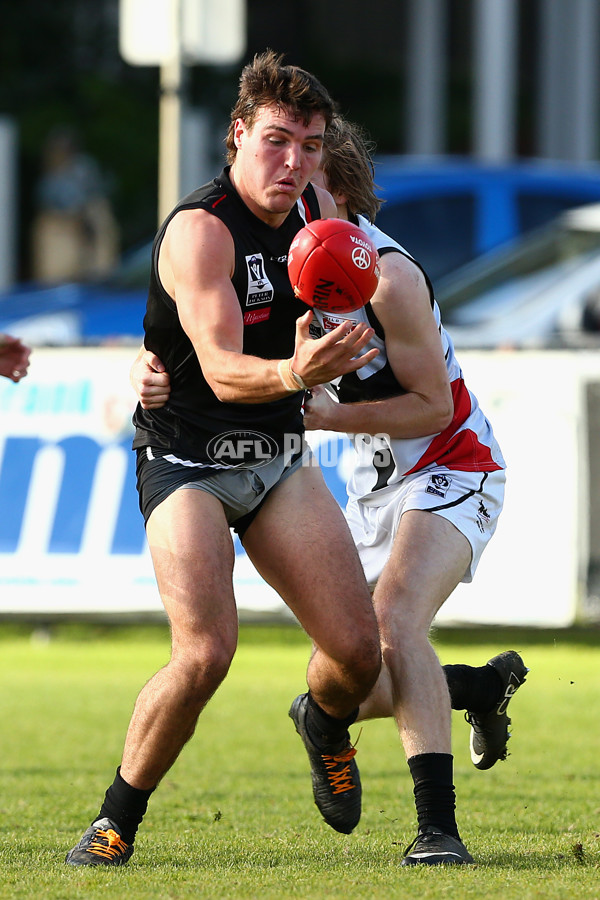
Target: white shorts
[472,501]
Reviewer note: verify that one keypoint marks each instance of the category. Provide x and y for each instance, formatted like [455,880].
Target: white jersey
[467,444]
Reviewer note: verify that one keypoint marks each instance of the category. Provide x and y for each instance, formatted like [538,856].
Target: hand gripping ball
[333,266]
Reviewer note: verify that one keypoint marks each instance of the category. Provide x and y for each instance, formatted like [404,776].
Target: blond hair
[348,167]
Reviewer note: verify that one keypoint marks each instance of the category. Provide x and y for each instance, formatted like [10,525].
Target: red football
[333,266]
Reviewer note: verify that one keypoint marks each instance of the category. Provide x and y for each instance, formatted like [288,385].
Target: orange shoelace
[340,779]
[107,844]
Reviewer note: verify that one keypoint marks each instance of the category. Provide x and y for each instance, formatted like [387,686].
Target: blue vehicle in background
[447,212]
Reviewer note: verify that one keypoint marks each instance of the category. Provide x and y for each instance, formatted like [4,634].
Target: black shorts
[242,491]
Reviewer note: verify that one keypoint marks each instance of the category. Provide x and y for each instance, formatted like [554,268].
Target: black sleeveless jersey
[194,415]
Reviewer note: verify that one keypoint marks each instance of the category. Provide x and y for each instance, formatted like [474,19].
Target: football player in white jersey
[424,499]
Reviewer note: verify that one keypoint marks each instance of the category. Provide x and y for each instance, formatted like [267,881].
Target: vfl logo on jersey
[438,485]
[260,289]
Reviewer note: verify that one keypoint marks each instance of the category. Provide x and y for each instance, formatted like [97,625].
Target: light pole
[169,138]
[173,34]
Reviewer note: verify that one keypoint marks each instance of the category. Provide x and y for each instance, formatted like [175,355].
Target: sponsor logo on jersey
[253,316]
[331,321]
[260,289]
[438,485]
[238,449]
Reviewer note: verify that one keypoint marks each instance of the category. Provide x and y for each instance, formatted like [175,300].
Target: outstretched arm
[195,266]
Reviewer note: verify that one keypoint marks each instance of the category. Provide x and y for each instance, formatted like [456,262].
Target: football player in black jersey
[227,451]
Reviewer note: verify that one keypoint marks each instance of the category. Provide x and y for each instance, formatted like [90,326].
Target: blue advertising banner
[71,534]
[72,539]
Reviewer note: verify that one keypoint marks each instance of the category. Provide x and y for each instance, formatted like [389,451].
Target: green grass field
[235,819]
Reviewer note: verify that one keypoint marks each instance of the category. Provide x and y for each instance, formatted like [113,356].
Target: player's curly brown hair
[348,166]
[266,80]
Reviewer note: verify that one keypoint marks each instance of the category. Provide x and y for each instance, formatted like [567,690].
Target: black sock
[125,806]
[476,688]
[434,792]
[323,728]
